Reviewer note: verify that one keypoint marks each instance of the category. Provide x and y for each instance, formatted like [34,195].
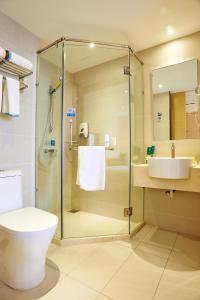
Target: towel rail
[72,147]
[13,69]
[106,148]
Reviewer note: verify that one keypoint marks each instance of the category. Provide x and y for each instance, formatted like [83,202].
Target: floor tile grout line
[129,240]
[91,254]
[98,291]
[101,290]
[165,266]
[132,250]
[84,284]
[104,296]
[153,227]
[115,273]
[139,242]
[68,274]
[84,259]
[121,265]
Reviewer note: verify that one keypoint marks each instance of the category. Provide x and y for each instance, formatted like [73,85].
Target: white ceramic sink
[170,168]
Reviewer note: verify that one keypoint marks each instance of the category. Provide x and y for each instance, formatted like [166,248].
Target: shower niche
[84,97]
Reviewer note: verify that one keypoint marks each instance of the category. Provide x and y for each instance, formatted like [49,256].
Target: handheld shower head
[54,90]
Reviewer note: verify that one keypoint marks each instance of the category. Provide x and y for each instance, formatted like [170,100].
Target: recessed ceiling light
[169,30]
[160,86]
[92,45]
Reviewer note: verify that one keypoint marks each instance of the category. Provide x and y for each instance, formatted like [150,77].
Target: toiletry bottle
[149,154]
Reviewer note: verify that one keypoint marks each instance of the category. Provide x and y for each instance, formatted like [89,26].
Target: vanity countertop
[141,178]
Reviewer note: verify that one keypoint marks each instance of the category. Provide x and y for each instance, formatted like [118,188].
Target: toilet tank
[10,190]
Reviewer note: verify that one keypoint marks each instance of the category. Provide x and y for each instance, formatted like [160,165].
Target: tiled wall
[17,135]
[180,213]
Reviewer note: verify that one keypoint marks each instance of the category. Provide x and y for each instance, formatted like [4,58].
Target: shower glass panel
[137,138]
[101,86]
[48,132]
[97,87]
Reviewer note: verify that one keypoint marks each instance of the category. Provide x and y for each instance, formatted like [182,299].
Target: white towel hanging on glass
[91,168]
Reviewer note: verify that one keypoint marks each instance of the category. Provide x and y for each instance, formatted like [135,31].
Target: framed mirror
[175,102]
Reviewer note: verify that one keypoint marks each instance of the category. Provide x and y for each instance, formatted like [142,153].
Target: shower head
[54,90]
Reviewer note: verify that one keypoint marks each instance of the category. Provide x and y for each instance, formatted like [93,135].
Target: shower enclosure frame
[131,52]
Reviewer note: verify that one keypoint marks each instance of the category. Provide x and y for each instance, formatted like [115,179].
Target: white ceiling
[140,23]
[80,58]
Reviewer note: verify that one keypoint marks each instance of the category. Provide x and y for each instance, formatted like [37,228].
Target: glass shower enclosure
[89,94]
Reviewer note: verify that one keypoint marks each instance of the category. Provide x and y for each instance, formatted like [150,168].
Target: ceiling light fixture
[160,86]
[92,45]
[169,30]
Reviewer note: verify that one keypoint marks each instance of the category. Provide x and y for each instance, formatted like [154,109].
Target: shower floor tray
[84,224]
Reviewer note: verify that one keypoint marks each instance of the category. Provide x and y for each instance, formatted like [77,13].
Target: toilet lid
[28,219]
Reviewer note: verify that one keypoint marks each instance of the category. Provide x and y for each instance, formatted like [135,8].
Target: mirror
[175,102]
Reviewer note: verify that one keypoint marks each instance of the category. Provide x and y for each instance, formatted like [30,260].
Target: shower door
[48,132]
[96,90]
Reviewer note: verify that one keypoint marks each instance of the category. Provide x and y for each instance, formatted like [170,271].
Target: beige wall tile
[17,135]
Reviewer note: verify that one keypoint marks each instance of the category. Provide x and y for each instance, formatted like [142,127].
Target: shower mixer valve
[84,130]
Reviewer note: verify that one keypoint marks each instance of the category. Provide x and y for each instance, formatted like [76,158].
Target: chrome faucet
[172,150]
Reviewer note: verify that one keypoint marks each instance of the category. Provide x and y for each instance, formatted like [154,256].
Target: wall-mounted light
[91,45]
[169,30]
[160,86]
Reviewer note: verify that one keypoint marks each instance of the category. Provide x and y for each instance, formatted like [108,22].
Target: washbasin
[170,168]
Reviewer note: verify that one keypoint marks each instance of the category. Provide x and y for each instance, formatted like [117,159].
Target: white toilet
[25,235]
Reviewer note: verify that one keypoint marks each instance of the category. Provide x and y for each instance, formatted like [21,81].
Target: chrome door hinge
[128,211]
[127,70]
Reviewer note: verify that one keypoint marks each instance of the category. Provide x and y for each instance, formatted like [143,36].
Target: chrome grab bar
[106,148]
[71,135]
[71,143]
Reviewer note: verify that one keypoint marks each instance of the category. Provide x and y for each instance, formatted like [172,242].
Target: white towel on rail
[1,91]
[2,53]
[10,99]
[91,168]
[19,60]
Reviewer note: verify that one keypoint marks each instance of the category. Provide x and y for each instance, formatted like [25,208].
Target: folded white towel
[2,53]
[91,168]
[10,99]
[19,60]
[1,91]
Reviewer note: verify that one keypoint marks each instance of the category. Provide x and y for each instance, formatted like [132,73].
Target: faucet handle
[173,150]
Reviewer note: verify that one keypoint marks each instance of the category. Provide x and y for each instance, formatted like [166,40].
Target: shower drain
[73,211]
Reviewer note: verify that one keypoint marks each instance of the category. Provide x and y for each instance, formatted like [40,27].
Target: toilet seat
[28,219]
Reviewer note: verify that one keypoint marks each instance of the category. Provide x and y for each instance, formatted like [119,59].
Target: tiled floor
[154,265]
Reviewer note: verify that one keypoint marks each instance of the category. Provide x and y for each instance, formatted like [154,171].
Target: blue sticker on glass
[71,112]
